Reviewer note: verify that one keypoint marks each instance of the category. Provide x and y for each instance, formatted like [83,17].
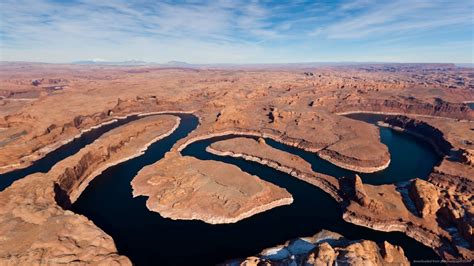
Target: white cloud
[398,17]
[211,31]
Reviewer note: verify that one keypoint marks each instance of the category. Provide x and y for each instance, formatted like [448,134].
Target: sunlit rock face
[188,188]
[328,248]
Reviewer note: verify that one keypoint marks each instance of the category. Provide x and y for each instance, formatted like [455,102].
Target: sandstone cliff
[34,225]
[409,105]
[328,248]
[426,196]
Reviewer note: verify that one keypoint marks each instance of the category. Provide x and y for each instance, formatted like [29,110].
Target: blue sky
[226,31]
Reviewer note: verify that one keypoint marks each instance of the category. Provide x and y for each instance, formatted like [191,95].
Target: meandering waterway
[147,238]
[44,164]
[410,157]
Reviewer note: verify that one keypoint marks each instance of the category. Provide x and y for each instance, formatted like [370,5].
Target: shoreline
[396,114]
[401,226]
[351,167]
[76,193]
[307,177]
[421,235]
[289,143]
[241,133]
[416,135]
[220,220]
[424,236]
[56,145]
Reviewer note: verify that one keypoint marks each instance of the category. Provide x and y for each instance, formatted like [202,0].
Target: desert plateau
[288,133]
[220,154]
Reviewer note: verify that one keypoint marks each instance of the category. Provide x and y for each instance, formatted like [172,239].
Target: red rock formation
[426,196]
[408,105]
[328,248]
[186,188]
[35,228]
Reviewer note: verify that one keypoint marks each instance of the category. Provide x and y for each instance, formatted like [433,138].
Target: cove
[147,238]
[44,164]
[410,157]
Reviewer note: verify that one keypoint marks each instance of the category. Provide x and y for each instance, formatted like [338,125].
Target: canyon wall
[36,226]
[408,105]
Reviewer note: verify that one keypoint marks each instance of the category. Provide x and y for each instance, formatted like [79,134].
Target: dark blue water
[44,164]
[471,105]
[410,157]
[148,239]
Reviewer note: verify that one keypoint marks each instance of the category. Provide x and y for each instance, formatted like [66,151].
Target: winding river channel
[44,164]
[147,238]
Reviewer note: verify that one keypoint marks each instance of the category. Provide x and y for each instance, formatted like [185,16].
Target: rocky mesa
[183,187]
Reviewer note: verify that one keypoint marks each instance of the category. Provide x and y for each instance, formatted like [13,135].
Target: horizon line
[178,62]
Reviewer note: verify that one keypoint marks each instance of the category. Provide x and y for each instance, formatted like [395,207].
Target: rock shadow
[61,197]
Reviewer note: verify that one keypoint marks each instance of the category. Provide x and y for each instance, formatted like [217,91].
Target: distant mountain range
[181,64]
[471,65]
[177,63]
[104,62]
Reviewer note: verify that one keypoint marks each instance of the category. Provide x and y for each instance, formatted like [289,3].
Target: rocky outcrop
[350,144]
[35,226]
[408,105]
[88,163]
[323,254]
[359,192]
[36,231]
[423,130]
[446,200]
[35,143]
[397,215]
[240,101]
[328,248]
[426,196]
[456,186]
[382,207]
[351,163]
[258,151]
[441,226]
[188,188]
[361,197]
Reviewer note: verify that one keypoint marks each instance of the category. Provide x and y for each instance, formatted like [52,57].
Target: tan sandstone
[188,188]
[34,226]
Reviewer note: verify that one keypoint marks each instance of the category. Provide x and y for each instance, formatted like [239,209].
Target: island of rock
[188,188]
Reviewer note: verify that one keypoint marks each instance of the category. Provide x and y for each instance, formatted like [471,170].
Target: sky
[235,31]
